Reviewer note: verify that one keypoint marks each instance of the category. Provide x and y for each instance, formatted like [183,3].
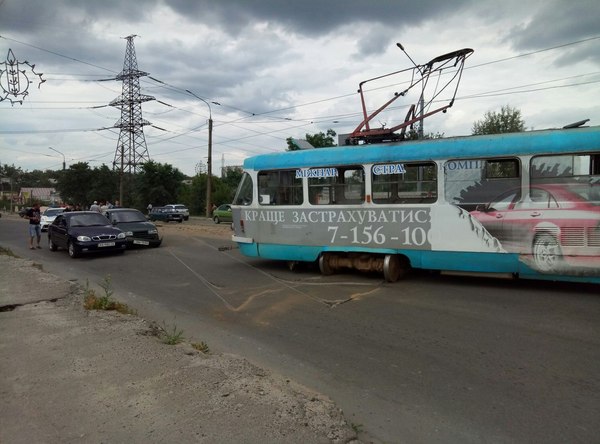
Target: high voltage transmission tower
[131,150]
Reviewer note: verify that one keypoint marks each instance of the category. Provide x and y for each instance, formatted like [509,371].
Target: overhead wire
[269,131]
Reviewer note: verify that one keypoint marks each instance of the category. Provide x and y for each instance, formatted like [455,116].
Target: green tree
[37,178]
[508,120]
[319,140]
[158,184]
[413,134]
[105,185]
[81,185]
[74,184]
[232,177]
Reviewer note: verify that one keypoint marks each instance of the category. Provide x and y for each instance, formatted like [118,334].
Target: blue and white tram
[525,204]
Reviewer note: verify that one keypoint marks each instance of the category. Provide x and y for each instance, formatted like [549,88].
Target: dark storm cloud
[29,15]
[59,24]
[314,17]
[559,22]
[70,24]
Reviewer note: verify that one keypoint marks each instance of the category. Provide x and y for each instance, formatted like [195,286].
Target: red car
[554,224]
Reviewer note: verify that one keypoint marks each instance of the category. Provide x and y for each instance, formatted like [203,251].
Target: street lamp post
[209,161]
[63,156]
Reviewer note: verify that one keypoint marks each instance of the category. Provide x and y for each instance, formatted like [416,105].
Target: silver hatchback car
[182,209]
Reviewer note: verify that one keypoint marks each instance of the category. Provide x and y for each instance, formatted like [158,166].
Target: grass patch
[92,301]
[201,346]
[7,252]
[358,428]
[171,336]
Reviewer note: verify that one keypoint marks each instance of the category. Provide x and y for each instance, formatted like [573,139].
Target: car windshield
[127,216]
[52,212]
[88,219]
[588,192]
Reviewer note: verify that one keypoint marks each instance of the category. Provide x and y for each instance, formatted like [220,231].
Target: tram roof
[509,144]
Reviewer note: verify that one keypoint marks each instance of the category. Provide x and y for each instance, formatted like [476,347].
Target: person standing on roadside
[95,207]
[33,214]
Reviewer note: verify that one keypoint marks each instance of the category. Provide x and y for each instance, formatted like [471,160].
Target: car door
[519,223]
[59,231]
[493,217]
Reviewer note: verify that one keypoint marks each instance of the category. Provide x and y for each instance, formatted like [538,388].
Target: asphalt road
[432,359]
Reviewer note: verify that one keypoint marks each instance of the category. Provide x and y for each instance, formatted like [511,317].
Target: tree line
[159,184]
[156,183]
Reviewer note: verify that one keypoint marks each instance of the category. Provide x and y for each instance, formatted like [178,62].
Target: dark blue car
[82,232]
[138,231]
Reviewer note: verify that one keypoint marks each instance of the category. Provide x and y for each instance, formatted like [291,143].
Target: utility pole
[63,156]
[209,175]
[209,160]
[421,112]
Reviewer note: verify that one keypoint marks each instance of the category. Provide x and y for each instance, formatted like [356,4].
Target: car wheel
[217,220]
[51,245]
[546,253]
[73,250]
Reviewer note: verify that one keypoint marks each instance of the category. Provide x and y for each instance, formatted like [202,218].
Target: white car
[48,217]
[180,209]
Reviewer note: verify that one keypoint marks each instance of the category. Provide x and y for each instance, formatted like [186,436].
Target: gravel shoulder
[76,375]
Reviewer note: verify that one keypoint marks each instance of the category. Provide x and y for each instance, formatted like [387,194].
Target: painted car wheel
[546,253]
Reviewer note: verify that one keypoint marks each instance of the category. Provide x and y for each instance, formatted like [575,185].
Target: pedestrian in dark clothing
[35,231]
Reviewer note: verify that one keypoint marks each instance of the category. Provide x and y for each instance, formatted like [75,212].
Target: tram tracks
[221,292]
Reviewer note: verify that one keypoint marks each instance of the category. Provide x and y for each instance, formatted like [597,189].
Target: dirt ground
[76,375]
[197,226]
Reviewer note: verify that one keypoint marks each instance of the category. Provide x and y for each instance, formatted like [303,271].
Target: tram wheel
[324,265]
[394,267]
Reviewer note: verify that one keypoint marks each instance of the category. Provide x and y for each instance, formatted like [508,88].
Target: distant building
[29,195]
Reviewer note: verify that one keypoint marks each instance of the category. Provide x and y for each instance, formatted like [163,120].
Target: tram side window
[280,187]
[570,178]
[345,186]
[404,183]
[470,183]
[243,195]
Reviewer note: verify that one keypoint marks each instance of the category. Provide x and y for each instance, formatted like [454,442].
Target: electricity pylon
[131,150]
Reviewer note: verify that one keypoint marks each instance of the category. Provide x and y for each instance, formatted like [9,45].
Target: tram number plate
[106,244]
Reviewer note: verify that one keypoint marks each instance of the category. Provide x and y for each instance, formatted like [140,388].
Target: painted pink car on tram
[556,225]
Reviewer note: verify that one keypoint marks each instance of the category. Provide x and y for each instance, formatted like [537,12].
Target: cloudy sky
[280,68]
